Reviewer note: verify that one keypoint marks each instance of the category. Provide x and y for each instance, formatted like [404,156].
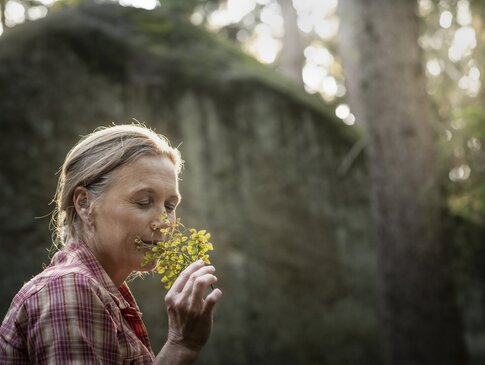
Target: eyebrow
[177,197]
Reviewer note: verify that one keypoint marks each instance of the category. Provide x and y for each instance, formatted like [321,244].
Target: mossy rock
[291,227]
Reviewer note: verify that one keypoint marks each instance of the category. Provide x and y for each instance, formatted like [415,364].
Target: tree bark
[387,93]
[291,58]
[3,4]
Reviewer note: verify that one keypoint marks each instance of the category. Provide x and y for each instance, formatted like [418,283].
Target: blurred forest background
[334,149]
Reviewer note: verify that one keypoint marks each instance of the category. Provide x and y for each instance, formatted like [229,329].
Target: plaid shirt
[72,313]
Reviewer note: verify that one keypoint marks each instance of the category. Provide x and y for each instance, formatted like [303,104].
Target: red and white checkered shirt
[72,313]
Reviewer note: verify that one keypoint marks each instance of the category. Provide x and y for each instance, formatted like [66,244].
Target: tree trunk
[387,92]
[291,58]
[3,4]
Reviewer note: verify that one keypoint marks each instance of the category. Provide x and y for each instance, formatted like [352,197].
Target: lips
[151,242]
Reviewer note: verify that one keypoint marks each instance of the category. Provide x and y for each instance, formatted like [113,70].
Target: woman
[114,187]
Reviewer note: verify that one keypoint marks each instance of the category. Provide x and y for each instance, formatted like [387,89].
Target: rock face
[263,174]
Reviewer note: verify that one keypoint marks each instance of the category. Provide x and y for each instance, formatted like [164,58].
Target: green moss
[110,38]
[103,51]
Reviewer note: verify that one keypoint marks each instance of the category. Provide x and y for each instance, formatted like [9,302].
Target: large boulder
[268,173]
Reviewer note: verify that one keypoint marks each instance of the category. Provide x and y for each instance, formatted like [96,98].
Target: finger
[211,300]
[200,286]
[179,284]
[189,285]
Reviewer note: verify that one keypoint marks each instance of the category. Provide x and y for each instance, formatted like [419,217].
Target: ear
[83,200]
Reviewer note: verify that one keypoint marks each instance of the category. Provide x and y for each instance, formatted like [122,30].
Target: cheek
[121,221]
[115,222]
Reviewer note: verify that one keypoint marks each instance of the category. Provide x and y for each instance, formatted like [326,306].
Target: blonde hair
[92,161]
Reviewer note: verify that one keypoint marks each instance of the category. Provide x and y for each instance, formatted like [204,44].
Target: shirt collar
[83,253]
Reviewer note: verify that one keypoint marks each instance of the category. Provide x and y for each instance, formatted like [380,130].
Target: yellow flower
[181,247]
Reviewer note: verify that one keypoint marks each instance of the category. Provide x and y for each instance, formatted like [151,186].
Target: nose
[162,221]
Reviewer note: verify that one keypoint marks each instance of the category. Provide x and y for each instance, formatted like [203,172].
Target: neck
[116,273]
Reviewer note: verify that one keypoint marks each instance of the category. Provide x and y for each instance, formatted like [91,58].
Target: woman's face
[129,209]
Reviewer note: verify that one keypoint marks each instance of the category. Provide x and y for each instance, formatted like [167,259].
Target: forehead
[154,172]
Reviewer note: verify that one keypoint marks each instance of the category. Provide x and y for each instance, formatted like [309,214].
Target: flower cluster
[180,248]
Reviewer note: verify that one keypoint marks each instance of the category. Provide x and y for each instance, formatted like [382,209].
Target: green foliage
[187,7]
[470,205]
[467,197]
[181,247]
[176,42]
[475,122]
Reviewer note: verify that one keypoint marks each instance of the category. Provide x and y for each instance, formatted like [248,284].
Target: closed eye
[170,208]
[144,203]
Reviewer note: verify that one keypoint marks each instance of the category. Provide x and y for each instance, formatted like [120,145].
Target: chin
[148,267]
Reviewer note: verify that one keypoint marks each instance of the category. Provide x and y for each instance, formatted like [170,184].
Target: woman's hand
[189,313]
